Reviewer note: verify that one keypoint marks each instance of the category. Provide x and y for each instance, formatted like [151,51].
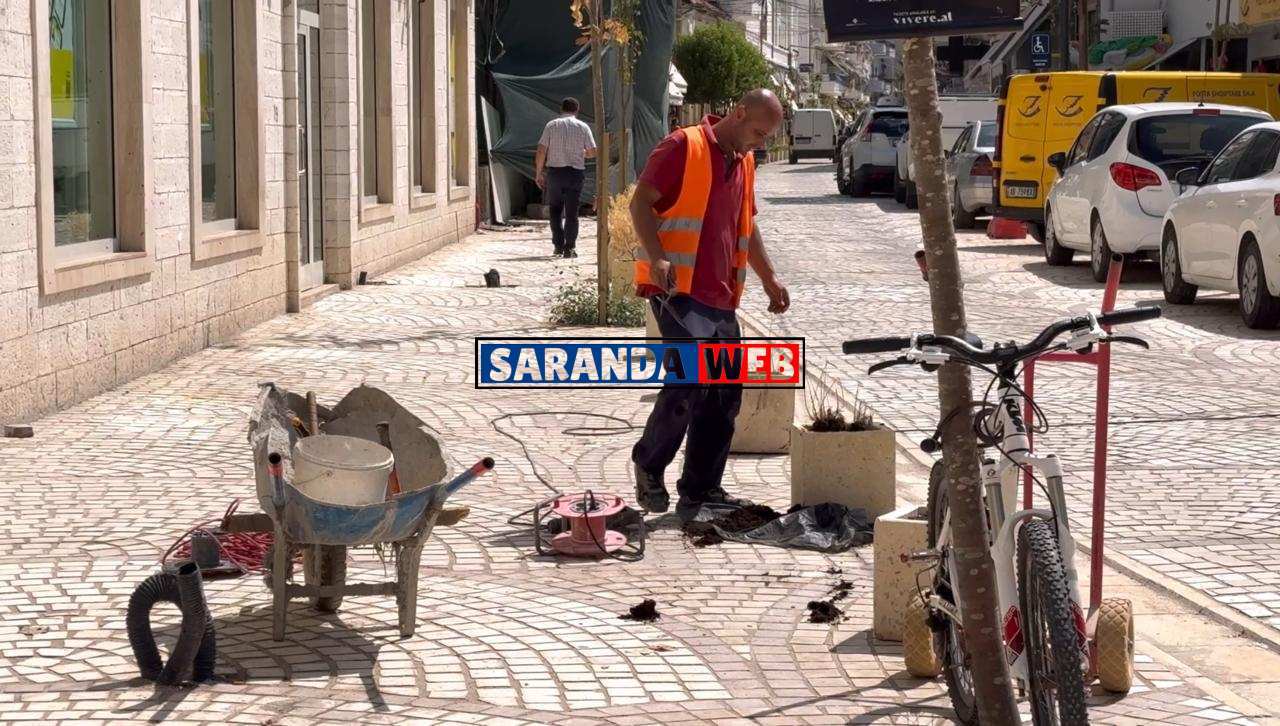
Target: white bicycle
[1042,616]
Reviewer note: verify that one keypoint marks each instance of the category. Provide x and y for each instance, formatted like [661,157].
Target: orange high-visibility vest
[680,227]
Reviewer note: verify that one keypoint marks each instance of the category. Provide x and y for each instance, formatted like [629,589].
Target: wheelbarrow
[322,531]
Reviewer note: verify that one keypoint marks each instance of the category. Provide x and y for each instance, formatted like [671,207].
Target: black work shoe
[721,497]
[570,253]
[651,493]
[559,251]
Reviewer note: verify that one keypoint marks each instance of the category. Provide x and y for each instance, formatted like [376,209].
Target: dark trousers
[705,413]
[564,196]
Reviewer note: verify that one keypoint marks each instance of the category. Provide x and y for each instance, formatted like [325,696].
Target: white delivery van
[813,134]
[957,113]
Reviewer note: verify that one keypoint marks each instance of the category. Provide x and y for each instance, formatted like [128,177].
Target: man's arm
[591,143]
[758,258]
[538,163]
[645,219]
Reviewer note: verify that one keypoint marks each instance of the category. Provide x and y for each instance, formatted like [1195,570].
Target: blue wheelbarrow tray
[420,460]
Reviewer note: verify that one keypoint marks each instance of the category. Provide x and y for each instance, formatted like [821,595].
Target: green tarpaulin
[528,60]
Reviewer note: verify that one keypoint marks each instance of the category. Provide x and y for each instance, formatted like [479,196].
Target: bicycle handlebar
[875,345]
[998,354]
[1129,315]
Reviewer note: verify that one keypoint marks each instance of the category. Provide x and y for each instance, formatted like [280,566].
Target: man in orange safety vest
[694,213]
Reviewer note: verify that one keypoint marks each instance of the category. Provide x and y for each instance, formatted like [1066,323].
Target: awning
[676,86]
[1008,44]
[1177,47]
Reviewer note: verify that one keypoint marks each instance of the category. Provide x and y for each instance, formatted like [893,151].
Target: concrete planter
[855,468]
[764,422]
[899,532]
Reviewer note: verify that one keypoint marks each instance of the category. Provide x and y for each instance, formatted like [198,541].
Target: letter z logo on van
[1156,94]
[1030,107]
[1070,106]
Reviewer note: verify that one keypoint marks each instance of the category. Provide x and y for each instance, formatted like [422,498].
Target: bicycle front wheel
[1056,676]
[948,641]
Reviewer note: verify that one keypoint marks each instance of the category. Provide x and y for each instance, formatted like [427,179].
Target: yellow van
[1040,114]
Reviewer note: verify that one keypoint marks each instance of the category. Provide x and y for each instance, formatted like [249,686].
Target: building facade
[173,172]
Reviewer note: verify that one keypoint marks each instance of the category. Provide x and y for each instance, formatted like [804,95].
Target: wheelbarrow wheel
[921,659]
[327,565]
[1113,645]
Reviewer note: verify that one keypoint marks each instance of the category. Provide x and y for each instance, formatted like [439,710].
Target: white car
[1113,185]
[1223,232]
[869,156]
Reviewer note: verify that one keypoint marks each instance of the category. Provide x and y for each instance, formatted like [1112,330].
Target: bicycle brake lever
[887,364]
[1126,339]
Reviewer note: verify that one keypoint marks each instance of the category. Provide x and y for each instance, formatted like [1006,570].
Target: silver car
[969,172]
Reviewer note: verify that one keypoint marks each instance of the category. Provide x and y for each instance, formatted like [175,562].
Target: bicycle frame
[1000,480]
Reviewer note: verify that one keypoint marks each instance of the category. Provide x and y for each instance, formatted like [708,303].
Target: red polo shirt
[714,275]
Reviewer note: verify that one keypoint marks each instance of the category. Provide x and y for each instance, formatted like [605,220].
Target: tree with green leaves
[719,64]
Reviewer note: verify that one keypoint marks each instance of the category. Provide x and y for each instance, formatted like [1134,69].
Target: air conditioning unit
[1120,24]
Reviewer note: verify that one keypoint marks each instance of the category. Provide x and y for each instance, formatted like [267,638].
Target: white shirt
[567,139]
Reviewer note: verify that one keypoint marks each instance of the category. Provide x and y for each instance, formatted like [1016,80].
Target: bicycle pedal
[921,556]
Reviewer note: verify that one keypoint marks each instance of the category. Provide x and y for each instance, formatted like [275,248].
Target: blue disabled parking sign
[1040,55]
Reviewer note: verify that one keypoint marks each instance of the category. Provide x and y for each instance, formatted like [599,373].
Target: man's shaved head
[753,120]
[761,100]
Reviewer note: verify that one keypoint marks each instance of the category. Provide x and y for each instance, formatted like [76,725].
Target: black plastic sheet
[826,527]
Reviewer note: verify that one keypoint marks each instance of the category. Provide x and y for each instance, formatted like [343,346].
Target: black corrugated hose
[195,653]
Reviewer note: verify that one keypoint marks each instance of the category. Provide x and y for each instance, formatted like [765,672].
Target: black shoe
[718,497]
[651,493]
[559,251]
[570,253]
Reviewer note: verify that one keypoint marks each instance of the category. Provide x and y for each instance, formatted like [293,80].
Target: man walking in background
[565,146]
[694,212]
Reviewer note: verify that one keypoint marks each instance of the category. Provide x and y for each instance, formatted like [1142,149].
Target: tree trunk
[977,579]
[602,164]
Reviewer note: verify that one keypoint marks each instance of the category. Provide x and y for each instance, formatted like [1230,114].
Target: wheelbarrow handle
[479,468]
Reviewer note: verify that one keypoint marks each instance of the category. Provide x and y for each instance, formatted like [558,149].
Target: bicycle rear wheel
[948,640]
[1056,676]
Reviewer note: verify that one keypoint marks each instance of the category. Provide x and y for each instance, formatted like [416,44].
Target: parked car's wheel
[858,184]
[1257,305]
[842,184]
[1176,290]
[1054,254]
[899,188]
[1099,251]
[793,159]
[1035,229]
[961,218]
[913,198]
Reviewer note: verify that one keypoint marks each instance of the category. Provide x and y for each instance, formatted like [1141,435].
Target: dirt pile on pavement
[645,612]
[704,534]
[825,611]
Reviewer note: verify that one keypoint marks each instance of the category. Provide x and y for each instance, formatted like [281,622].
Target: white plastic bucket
[341,469]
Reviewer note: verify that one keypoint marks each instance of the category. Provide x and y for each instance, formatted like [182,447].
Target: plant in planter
[850,461]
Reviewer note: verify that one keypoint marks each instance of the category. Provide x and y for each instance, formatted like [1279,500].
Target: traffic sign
[1040,51]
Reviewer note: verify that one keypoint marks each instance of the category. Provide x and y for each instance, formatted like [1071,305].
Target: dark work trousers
[706,413]
[564,196]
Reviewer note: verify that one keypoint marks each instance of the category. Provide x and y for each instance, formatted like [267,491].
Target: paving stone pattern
[505,638]
[1192,461]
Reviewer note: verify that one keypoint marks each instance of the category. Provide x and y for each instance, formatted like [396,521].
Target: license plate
[1020,192]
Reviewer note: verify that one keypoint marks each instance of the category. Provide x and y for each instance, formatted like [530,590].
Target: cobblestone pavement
[505,638]
[1192,455]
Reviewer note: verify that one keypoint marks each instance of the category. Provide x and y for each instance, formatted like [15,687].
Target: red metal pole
[1102,415]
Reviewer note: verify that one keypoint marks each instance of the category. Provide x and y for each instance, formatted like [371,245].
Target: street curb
[1200,603]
